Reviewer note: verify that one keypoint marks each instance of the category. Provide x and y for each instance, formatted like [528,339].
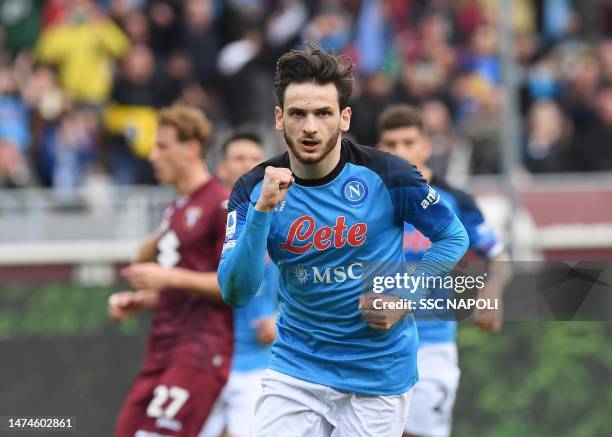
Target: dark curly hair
[312,64]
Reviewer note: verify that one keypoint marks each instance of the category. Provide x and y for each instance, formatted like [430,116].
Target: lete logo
[304,230]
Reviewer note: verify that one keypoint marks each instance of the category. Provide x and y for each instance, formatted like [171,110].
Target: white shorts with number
[431,413]
[234,411]
[290,407]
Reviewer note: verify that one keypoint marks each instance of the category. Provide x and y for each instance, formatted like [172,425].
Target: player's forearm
[499,273]
[447,248]
[146,299]
[147,250]
[242,267]
[204,283]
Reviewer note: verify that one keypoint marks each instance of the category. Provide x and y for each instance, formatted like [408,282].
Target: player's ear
[426,149]
[278,117]
[195,149]
[345,119]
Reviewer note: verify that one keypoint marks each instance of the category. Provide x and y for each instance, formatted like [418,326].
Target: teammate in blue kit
[325,211]
[254,324]
[400,129]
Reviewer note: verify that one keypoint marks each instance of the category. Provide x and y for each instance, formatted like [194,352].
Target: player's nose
[310,124]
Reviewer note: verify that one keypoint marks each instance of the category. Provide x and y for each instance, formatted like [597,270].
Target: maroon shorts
[173,402]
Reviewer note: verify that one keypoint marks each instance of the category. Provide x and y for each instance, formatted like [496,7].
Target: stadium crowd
[81,81]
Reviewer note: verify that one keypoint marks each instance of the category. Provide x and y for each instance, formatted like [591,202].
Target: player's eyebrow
[306,109]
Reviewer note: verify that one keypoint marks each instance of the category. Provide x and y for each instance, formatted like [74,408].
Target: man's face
[311,120]
[171,158]
[408,143]
[241,156]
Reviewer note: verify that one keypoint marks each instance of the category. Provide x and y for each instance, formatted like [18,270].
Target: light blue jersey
[249,353]
[323,237]
[482,241]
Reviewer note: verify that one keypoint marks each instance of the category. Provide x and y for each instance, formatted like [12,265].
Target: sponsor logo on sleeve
[431,199]
[230,244]
[230,228]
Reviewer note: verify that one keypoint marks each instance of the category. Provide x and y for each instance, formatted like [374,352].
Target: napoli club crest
[354,191]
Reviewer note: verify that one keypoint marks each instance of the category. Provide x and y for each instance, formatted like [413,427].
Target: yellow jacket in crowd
[82,53]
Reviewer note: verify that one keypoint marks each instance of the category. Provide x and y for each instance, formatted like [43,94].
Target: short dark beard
[328,147]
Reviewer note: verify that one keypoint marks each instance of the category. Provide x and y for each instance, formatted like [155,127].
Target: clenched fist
[274,188]
[124,304]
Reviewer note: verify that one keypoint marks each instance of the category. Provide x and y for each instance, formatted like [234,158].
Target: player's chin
[309,157]
[162,176]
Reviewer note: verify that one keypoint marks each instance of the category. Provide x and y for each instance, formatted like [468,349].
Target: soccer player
[254,324]
[400,129]
[188,353]
[325,210]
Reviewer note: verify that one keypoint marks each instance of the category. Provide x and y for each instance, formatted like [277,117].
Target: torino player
[254,325]
[188,353]
[400,130]
[324,210]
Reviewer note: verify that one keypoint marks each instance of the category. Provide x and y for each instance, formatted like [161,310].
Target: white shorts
[234,411]
[431,414]
[290,407]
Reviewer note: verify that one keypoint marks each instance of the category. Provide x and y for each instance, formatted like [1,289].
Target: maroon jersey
[189,328]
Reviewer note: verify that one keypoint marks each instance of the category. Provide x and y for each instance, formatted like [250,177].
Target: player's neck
[426,172]
[318,170]
[191,180]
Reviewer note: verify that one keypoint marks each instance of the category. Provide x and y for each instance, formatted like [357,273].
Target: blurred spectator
[593,146]
[21,20]
[368,105]
[556,18]
[14,121]
[451,151]
[120,9]
[479,100]
[581,92]
[130,119]
[202,41]
[47,102]
[605,55]
[73,151]
[13,169]
[481,57]
[136,26]
[373,37]
[330,28]
[164,24]
[421,81]
[243,74]
[81,47]
[606,17]
[285,23]
[547,139]
[524,13]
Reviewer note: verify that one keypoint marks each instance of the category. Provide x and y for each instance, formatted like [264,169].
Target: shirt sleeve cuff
[259,218]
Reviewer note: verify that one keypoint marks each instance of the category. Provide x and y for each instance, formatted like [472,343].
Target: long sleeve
[242,265]
[417,203]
